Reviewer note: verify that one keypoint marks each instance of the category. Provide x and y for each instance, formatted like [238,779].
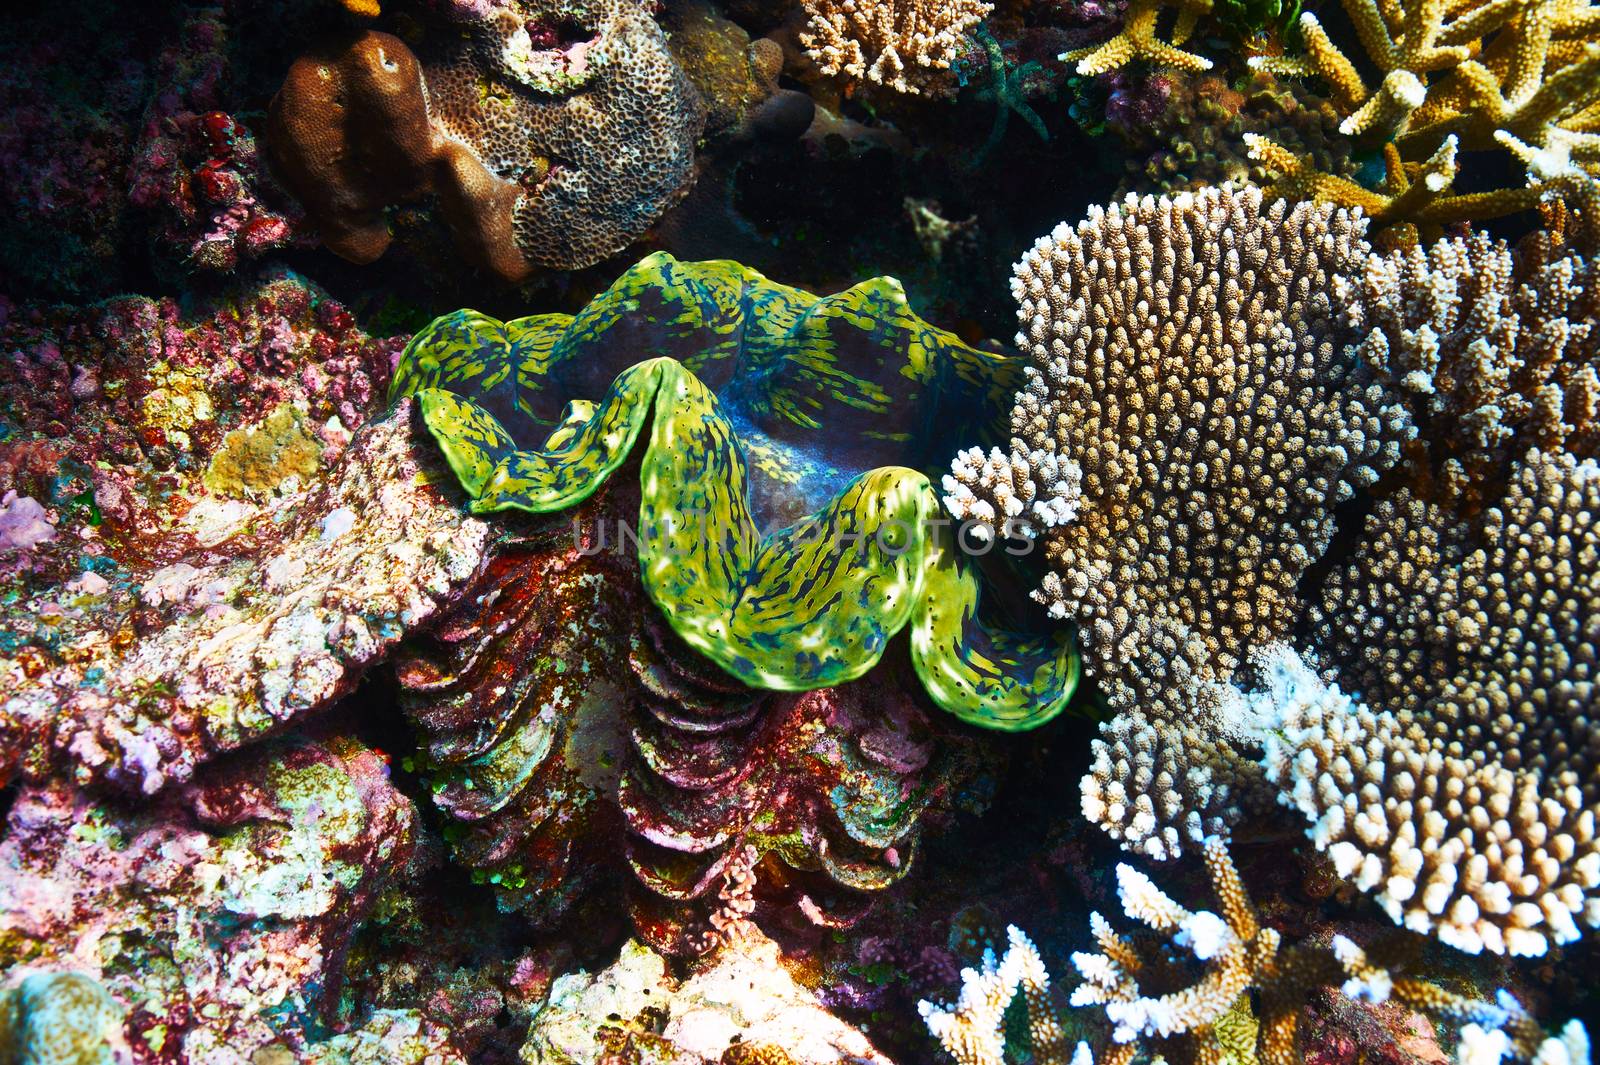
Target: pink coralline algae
[227,555]
[23,523]
[219,917]
[196,167]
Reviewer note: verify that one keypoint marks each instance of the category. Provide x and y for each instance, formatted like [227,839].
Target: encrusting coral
[1168,990]
[551,133]
[60,1018]
[742,1008]
[218,917]
[903,45]
[1523,74]
[1185,355]
[224,553]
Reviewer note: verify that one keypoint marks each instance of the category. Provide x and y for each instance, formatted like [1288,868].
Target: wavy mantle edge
[782,612]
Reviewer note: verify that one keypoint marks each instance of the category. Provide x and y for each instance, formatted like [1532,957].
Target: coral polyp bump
[740,433]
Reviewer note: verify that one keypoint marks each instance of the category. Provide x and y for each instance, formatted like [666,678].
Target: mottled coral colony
[529,533]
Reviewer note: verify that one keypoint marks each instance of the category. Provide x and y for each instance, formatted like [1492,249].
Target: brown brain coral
[1186,356]
[552,133]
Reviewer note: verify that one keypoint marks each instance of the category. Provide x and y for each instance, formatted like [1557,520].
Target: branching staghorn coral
[901,44]
[1185,355]
[1137,40]
[1497,347]
[816,601]
[1166,989]
[1462,789]
[1475,75]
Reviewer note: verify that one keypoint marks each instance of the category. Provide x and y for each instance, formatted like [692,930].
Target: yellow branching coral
[897,43]
[1462,73]
[1137,40]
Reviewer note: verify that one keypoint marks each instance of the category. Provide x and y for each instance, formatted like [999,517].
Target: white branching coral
[1233,951]
[1016,495]
[1463,789]
[1184,356]
[896,43]
[1169,989]
[971,1030]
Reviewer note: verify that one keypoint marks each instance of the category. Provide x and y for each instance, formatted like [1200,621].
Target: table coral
[1461,791]
[1464,76]
[211,576]
[218,917]
[1497,348]
[552,133]
[1185,354]
[900,44]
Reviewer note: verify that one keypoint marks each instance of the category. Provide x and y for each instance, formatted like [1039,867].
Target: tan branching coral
[1170,989]
[1462,790]
[1499,349]
[1185,356]
[971,1029]
[1137,40]
[901,44]
[1468,74]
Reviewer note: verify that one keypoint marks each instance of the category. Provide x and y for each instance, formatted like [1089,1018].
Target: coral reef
[275,858]
[1195,129]
[226,555]
[1137,39]
[60,1018]
[1471,76]
[1463,793]
[1497,348]
[900,44]
[552,133]
[197,168]
[1185,355]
